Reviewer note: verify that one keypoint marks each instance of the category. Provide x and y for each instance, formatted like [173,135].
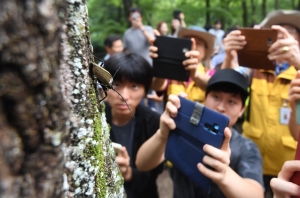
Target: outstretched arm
[230,183]
[151,153]
[294,95]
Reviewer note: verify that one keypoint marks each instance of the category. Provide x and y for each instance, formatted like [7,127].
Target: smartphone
[298,112]
[171,54]
[176,14]
[117,147]
[255,52]
[196,125]
[135,15]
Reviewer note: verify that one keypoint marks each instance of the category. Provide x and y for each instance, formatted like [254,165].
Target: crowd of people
[257,161]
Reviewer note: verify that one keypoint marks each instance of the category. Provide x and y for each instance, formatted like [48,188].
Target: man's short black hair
[134,69]
[228,88]
[135,9]
[217,22]
[110,40]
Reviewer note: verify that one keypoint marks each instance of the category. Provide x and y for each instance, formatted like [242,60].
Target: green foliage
[108,17]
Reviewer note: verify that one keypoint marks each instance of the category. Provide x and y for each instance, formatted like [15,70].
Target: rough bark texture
[54,142]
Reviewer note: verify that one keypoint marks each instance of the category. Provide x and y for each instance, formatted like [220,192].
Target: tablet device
[196,125]
[171,54]
[255,52]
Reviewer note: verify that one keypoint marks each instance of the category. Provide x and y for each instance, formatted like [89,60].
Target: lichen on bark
[92,153]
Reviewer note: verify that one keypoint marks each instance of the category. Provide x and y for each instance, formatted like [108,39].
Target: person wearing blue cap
[194,89]
[236,168]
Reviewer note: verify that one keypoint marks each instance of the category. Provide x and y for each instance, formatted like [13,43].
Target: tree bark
[276,4]
[207,3]
[127,4]
[54,140]
[253,9]
[245,13]
[264,8]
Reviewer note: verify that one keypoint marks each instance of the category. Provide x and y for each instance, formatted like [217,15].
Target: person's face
[175,23]
[131,92]
[163,29]
[115,48]
[135,17]
[292,31]
[218,26]
[227,104]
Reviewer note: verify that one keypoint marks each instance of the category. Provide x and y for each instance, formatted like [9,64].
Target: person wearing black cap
[237,165]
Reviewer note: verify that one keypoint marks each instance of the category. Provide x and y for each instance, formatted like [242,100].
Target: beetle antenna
[98,58]
[124,101]
[120,67]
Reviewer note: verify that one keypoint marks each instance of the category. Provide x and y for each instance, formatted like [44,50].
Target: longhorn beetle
[106,80]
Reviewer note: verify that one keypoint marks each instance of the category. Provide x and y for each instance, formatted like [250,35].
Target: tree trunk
[127,4]
[54,142]
[207,3]
[253,9]
[293,4]
[264,8]
[276,4]
[245,13]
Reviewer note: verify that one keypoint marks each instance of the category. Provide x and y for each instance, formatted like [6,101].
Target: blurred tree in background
[110,17]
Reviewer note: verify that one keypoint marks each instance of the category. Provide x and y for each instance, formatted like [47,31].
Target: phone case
[298,112]
[296,177]
[171,54]
[255,52]
[196,126]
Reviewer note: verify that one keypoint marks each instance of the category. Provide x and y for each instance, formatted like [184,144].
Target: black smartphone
[176,14]
[171,54]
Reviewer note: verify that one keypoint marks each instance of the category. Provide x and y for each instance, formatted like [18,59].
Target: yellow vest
[268,94]
[193,92]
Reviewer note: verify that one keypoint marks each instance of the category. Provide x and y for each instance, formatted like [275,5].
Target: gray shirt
[135,41]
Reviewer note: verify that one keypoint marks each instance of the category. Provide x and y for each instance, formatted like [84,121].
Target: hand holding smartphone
[255,52]
[117,147]
[196,125]
[171,54]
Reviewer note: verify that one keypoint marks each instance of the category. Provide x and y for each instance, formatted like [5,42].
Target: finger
[284,188]
[156,32]
[226,142]
[215,176]
[121,161]
[124,152]
[190,61]
[171,109]
[174,100]
[281,30]
[234,33]
[288,169]
[214,163]
[192,54]
[123,169]
[193,44]
[216,153]
[277,46]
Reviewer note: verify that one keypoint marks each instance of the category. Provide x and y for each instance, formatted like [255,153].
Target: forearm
[229,63]
[293,126]
[234,185]
[159,84]
[148,36]
[201,80]
[182,22]
[151,153]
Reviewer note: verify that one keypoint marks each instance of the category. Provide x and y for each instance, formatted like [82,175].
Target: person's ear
[242,111]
